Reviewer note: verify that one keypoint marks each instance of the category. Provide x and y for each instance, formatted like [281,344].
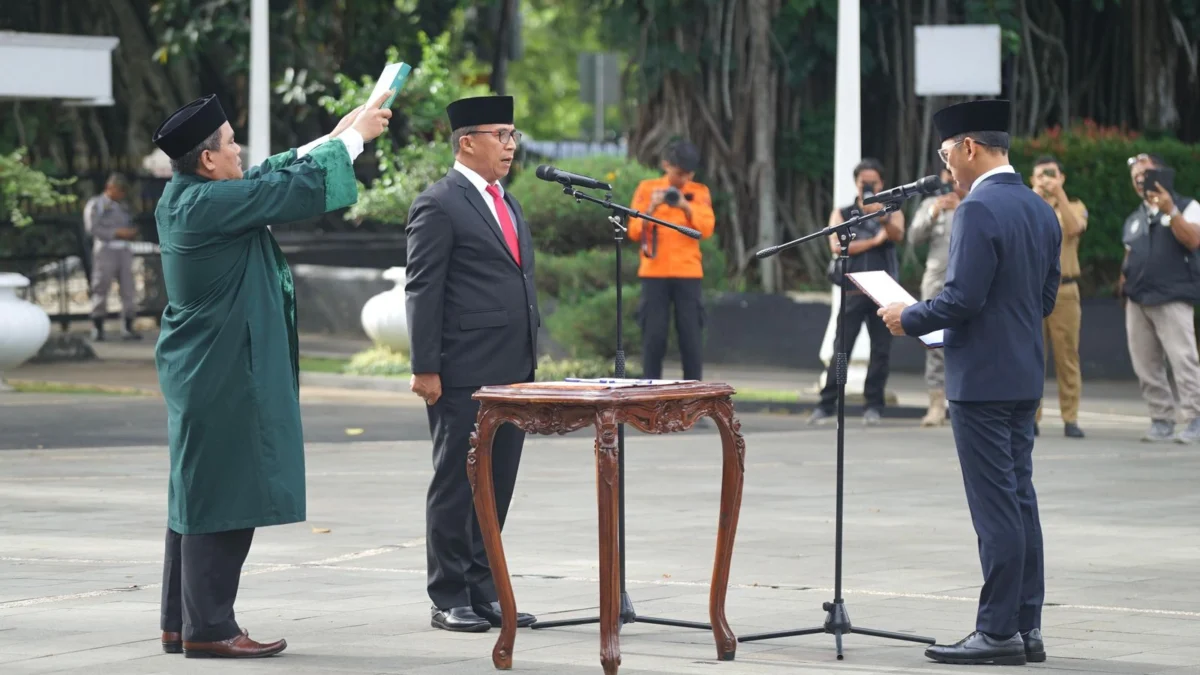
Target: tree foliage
[693,73]
[22,186]
[415,153]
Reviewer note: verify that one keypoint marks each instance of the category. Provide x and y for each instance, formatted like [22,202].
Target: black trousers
[200,583]
[995,451]
[458,571]
[654,317]
[861,308]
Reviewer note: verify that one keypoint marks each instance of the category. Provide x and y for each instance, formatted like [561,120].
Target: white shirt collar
[476,180]
[1007,168]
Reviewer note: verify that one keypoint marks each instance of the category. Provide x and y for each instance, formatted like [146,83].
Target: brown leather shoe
[172,643]
[240,647]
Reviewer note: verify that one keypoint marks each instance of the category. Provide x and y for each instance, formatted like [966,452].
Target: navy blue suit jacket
[1001,281]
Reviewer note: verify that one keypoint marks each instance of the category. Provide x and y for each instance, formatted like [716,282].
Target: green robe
[227,356]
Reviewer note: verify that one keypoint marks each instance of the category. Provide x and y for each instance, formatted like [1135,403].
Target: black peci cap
[189,126]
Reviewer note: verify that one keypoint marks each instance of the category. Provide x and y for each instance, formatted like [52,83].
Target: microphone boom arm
[607,203]
[842,229]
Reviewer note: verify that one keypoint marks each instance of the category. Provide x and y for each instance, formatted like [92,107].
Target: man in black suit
[1002,279]
[472,322]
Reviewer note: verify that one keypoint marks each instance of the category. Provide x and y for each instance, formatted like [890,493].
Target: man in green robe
[227,356]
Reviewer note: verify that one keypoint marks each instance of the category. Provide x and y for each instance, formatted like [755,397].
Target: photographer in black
[1160,280]
[872,249]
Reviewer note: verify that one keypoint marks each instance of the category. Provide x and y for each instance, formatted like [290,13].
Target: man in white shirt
[472,322]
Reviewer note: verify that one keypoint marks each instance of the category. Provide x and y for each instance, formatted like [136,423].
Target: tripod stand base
[837,623]
[628,615]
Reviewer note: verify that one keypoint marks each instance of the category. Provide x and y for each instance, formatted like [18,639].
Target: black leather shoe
[1035,650]
[460,619]
[979,649]
[491,612]
[1072,430]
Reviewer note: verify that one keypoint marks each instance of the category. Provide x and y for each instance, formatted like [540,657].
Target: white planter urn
[384,317]
[24,327]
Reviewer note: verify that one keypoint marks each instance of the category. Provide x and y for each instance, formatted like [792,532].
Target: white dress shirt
[1007,168]
[350,138]
[482,185]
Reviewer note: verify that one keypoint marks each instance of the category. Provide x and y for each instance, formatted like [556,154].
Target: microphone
[549,173]
[926,186]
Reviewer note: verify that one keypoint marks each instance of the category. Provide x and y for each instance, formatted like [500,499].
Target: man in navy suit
[1001,281]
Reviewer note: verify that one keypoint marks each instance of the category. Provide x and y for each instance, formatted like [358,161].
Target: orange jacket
[674,254]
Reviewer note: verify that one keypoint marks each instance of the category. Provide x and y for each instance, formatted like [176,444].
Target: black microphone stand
[837,619]
[627,613]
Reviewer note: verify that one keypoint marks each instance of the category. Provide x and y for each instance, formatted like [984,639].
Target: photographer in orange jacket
[670,268]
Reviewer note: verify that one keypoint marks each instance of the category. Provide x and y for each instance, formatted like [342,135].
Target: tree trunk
[762,170]
[499,77]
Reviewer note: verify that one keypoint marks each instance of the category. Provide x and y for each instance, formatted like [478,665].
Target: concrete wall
[769,330]
[745,328]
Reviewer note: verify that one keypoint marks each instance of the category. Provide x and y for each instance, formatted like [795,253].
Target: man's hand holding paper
[892,299]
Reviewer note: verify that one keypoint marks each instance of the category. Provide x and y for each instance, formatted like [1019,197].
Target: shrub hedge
[1094,160]
[561,226]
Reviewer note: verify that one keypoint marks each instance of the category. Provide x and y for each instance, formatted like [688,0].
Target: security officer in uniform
[1001,281]
[931,225]
[109,224]
[1060,330]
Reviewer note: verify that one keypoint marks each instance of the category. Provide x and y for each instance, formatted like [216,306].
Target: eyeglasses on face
[503,134]
[944,153]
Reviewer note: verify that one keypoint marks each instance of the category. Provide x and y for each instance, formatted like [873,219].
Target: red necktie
[506,224]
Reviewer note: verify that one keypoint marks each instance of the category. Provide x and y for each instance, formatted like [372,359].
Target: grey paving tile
[87,522]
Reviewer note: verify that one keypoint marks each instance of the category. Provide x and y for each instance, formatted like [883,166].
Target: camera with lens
[673,195]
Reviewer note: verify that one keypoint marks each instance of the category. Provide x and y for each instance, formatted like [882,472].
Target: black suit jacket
[472,310]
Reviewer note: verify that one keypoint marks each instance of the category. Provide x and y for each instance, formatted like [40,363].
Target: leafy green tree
[416,152]
[22,185]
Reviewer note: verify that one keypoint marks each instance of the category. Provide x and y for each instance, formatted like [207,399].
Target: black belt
[1068,280]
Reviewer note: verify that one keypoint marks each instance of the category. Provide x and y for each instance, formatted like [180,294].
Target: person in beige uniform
[1060,330]
[931,225]
[108,222]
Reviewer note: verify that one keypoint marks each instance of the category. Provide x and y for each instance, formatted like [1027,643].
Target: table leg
[607,490]
[733,448]
[479,473]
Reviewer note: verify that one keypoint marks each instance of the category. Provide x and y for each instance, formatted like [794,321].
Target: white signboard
[957,60]
[75,68]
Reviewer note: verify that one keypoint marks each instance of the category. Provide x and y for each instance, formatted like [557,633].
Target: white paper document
[883,289]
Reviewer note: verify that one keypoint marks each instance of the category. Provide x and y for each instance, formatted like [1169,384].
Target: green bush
[1094,162]
[551,370]
[572,276]
[21,186]
[586,328]
[415,152]
[560,225]
[378,361]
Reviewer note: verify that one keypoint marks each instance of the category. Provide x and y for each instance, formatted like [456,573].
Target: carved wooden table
[563,407]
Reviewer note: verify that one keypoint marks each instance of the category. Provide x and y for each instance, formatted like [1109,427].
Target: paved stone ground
[81,547]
